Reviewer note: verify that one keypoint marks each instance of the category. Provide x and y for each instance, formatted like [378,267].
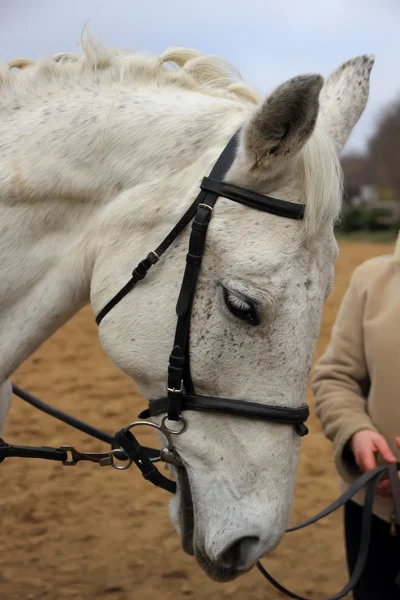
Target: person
[356,387]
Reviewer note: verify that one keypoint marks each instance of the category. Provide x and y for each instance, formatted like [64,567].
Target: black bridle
[181,395]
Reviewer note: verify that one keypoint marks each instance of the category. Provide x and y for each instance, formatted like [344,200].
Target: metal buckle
[154,253]
[174,390]
[207,206]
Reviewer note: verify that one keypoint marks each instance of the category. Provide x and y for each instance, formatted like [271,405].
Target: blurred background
[90,533]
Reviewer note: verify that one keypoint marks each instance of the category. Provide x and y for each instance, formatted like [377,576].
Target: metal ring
[182,420]
[116,451]
[139,423]
[163,430]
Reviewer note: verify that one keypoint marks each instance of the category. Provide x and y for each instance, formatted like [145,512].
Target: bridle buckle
[155,255]
[174,390]
[206,206]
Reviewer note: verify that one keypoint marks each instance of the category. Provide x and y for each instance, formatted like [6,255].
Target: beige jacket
[356,383]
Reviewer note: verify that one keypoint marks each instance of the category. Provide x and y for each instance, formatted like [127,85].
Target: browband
[274,206]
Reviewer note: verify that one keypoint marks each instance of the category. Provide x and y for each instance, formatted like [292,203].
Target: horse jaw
[214,506]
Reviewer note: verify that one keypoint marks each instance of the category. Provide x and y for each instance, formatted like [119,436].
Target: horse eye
[241,307]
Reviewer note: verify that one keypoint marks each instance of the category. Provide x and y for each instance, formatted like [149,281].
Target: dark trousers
[383,562]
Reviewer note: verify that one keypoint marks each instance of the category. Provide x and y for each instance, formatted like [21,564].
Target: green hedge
[357,219]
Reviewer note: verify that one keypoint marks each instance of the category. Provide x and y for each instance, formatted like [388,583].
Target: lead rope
[371,480]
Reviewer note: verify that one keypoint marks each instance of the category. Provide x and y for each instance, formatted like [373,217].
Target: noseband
[180,393]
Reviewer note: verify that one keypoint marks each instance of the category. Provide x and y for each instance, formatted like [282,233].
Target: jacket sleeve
[339,380]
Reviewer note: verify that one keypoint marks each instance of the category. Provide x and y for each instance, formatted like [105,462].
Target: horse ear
[344,97]
[283,124]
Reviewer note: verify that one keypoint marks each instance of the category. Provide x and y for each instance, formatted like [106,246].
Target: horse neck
[73,166]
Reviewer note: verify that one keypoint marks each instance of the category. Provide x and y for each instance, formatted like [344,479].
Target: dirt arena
[87,533]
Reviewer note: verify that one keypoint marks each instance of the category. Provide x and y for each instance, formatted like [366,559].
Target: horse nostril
[237,554]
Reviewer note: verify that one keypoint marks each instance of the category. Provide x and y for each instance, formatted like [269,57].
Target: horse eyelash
[238,302]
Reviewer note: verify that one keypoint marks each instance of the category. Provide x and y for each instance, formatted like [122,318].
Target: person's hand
[365,444]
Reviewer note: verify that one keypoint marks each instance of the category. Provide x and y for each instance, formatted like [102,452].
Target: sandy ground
[84,533]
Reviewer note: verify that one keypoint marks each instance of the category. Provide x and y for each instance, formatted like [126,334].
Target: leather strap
[184,308]
[73,421]
[395,486]
[60,415]
[134,450]
[371,480]
[179,377]
[8,450]
[274,206]
[151,259]
[228,406]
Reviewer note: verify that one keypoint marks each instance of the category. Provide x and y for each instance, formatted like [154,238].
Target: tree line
[379,165]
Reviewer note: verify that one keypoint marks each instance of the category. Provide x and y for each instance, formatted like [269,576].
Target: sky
[268,41]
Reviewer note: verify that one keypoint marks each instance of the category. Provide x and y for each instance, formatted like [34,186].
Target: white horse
[100,156]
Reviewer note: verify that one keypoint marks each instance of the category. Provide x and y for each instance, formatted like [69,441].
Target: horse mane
[181,67]
[187,69]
